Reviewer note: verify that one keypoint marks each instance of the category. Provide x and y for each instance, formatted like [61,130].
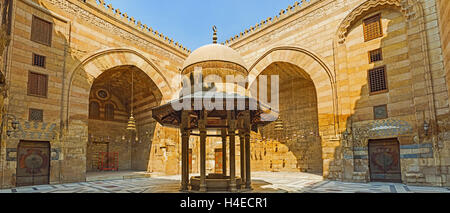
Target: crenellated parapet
[283,14]
[136,24]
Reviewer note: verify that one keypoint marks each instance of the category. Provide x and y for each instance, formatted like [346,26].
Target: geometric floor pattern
[263,182]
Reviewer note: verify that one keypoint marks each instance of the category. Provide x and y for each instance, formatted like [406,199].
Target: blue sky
[190,21]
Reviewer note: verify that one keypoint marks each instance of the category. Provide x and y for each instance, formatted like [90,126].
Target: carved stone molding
[404,6]
[276,34]
[380,129]
[111,28]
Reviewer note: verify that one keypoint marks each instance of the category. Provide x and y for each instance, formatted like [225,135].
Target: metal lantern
[279,125]
[15,124]
[131,124]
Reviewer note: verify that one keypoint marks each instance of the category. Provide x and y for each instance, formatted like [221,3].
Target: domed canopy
[214,52]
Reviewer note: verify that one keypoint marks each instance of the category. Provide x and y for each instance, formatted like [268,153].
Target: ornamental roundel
[34,161]
[103,94]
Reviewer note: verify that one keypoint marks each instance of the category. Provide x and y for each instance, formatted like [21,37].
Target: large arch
[107,130]
[324,80]
[75,115]
[321,75]
[94,65]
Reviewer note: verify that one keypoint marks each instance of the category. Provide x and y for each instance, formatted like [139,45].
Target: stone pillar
[202,125]
[184,152]
[232,133]
[224,152]
[242,146]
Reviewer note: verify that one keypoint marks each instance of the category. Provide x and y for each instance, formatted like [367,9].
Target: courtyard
[263,182]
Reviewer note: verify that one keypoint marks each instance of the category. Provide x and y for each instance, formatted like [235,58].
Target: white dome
[214,52]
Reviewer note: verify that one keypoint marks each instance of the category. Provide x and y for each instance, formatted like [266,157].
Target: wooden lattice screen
[372,28]
[94,110]
[38,60]
[36,115]
[41,31]
[377,80]
[37,84]
[109,112]
[375,55]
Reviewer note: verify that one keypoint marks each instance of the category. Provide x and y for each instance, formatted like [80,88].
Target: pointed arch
[322,76]
[409,8]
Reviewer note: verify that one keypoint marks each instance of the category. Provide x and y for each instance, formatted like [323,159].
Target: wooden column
[232,133]
[224,152]
[248,181]
[202,127]
[184,151]
[242,146]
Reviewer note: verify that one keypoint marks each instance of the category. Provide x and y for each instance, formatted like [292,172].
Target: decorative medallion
[380,112]
[34,160]
[103,94]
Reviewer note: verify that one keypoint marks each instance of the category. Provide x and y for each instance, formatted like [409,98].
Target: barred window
[378,80]
[375,55]
[94,110]
[41,31]
[36,115]
[109,112]
[37,84]
[372,28]
[39,60]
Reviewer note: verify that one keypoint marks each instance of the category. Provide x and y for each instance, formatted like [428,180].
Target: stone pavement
[263,182]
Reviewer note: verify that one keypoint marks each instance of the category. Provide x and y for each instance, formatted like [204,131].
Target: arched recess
[413,12]
[411,9]
[322,77]
[91,67]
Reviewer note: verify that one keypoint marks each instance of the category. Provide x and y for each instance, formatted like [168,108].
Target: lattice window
[41,31]
[380,112]
[94,110]
[39,60]
[375,55]
[36,115]
[372,28]
[109,112]
[378,80]
[37,84]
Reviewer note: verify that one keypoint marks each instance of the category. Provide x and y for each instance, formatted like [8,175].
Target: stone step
[136,176]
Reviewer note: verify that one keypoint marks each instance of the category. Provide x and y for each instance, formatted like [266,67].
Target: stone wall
[324,37]
[443,8]
[88,38]
[297,147]
[444,18]
[321,37]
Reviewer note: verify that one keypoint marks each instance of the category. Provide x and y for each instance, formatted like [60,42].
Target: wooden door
[33,163]
[384,161]
[218,160]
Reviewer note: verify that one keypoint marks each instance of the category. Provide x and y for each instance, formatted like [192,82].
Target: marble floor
[263,182]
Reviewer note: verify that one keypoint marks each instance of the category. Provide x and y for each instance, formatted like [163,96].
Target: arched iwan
[93,66]
[321,75]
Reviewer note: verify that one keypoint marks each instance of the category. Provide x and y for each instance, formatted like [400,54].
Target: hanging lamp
[132,121]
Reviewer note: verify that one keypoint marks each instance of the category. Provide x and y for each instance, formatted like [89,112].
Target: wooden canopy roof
[166,115]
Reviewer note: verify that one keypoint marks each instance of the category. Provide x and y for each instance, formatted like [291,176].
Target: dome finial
[214,34]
